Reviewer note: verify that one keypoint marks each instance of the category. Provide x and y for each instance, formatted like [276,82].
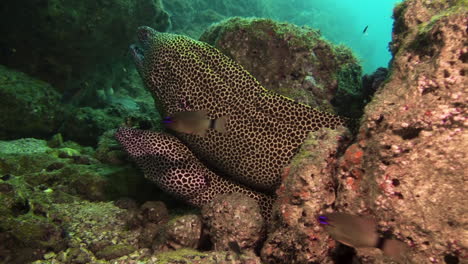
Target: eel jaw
[138,56]
[139,49]
[130,140]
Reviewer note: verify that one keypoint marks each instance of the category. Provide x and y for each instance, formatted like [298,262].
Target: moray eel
[173,167]
[264,129]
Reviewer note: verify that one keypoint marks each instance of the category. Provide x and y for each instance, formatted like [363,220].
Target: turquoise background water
[343,21]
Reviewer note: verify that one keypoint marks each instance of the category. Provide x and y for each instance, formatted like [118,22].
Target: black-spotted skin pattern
[166,161]
[264,129]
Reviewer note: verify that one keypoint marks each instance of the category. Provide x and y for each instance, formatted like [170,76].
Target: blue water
[343,21]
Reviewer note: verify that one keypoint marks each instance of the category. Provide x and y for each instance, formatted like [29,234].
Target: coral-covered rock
[151,219]
[412,173]
[72,255]
[25,230]
[87,124]
[71,170]
[90,126]
[154,212]
[181,232]
[109,150]
[39,189]
[292,61]
[233,218]
[101,226]
[114,251]
[308,186]
[29,108]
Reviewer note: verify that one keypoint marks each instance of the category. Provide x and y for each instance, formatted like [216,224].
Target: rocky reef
[293,61]
[36,102]
[68,43]
[69,194]
[412,138]
[407,165]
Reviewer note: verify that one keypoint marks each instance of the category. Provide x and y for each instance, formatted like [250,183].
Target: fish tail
[220,124]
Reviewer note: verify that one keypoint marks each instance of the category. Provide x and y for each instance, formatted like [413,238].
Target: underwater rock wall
[293,61]
[72,44]
[407,167]
[295,235]
[29,107]
[413,140]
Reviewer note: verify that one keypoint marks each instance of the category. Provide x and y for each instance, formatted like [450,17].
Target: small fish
[194,122]
[358,232]
[365,29]
[234,246]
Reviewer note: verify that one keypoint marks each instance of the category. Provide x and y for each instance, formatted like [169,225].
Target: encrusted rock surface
[181,232]
[292,61]
[372,82]
[233,218]
[99,226]
[308,186]
[409,165]
[29,107]
[37,181]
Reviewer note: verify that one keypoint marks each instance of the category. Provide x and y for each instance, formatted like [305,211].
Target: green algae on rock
[293,61]
[26,232]
[71,43]
[29,108]
[38,187]
[191,18]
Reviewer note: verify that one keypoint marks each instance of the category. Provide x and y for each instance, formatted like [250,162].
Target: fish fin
[220,124]
[394,248]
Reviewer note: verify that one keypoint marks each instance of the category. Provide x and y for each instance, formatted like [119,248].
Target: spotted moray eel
[172,166]
[264,129]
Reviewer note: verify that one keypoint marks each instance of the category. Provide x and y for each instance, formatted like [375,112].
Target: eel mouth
[137,53]
[144,35]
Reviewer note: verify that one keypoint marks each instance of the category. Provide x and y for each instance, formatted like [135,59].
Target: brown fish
[194,122]
[351,230]
[359,232]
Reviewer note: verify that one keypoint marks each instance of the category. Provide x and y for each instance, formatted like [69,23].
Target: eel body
[264,129]
[173,167]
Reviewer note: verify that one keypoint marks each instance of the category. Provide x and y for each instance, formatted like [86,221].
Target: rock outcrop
[293,61]
[408,166]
